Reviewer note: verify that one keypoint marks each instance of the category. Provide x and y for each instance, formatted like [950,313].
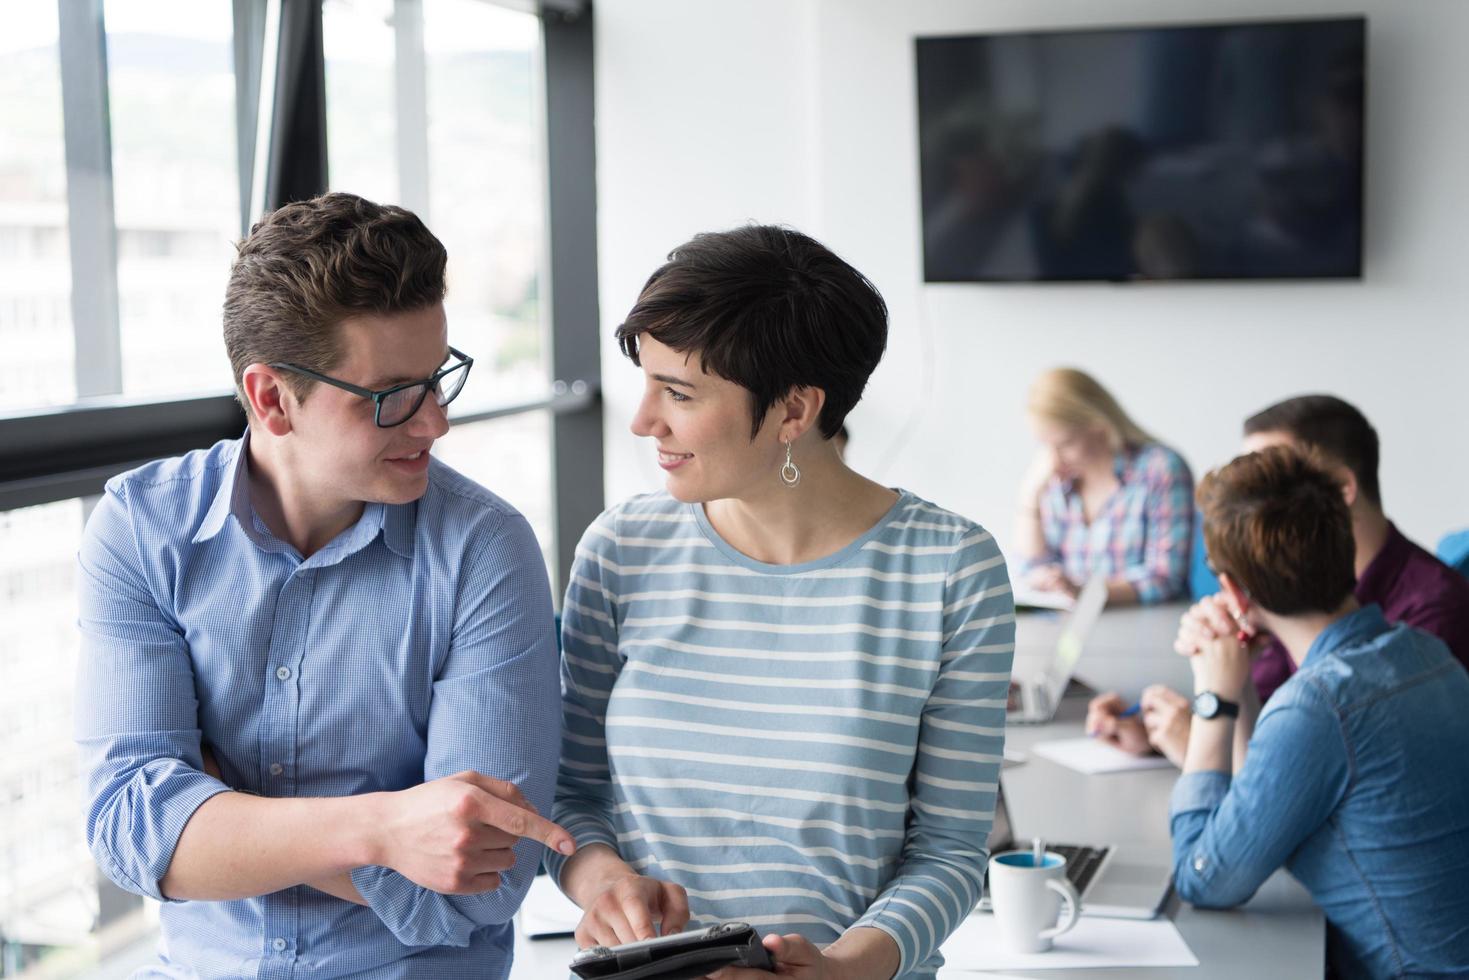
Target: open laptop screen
[1074,632]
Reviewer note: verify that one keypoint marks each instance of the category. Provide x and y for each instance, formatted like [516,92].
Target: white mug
[1027,899]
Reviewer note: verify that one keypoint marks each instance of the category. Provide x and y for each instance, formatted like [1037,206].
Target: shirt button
[276,768]
[278,944]
[283,673]
[1200,863]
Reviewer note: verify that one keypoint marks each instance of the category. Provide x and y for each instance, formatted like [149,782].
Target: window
[512,457]
[357,36]
[171,88]
[48,891]
[433,103]
[35,265]
[485,187]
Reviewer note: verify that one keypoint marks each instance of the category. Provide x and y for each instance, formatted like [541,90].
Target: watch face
[1206,705]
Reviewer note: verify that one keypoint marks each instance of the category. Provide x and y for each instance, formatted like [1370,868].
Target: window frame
[71,451]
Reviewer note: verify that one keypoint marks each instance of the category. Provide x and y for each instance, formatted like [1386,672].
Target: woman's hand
[1037,477]
[795,956]
[1104,720]
[1050,578]
[1167,716]
[626,909]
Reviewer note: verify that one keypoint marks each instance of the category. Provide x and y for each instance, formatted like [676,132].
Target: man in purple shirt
[1410,584]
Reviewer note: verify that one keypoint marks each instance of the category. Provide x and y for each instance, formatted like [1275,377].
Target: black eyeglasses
[398,404]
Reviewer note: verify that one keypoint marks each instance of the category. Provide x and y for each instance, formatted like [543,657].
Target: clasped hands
[1209,635]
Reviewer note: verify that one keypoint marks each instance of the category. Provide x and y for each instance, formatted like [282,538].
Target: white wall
[803,111]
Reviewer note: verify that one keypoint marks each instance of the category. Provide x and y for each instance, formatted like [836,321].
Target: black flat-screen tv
[1219,151]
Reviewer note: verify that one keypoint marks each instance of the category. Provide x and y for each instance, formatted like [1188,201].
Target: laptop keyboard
[1082,863]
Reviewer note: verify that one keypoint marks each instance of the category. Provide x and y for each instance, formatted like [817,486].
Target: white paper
[1095,942]
[547,912]
[1092,756]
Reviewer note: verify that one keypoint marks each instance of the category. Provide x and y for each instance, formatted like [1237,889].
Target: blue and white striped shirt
[416,644]
[806,748]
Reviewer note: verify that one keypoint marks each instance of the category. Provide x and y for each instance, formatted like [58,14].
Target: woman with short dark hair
[784,684]
[1354,777]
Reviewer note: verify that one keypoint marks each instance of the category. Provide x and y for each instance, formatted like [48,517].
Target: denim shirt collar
[1352,629]
[232,499]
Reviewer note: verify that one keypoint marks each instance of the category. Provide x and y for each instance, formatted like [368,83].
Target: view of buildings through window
[171,92]
[35,266]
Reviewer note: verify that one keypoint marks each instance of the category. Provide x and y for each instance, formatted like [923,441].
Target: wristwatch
[1208,705]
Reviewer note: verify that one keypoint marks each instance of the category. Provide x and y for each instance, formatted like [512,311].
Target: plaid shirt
[1142,533]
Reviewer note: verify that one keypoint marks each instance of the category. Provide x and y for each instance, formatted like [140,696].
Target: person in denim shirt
[1354,777]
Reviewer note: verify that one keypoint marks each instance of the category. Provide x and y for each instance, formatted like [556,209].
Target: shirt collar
[398,527]
[1385,567]
[1120,463]
[1352,629]
[233,499]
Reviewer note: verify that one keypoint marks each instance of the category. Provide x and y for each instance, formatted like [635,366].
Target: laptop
[1109,883]
[1038,697]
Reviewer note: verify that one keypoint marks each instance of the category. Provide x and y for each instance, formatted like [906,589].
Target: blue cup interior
[1027,860]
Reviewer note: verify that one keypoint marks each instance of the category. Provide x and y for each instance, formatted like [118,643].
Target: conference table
[1278,933]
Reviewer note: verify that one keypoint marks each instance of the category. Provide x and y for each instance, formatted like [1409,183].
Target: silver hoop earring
[789,474]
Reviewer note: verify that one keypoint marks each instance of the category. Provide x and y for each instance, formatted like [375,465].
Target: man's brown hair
[310,265]
[1276,523]
[1330,425]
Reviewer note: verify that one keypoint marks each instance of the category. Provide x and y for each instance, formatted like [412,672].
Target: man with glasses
[318,691]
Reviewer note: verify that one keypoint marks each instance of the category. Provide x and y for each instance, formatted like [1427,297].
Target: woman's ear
[801,408]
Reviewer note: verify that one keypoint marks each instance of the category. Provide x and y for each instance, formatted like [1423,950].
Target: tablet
[681,956]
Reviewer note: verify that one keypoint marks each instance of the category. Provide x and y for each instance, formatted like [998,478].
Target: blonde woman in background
[1103,496]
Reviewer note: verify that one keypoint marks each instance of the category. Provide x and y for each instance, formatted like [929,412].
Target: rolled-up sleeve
[956,773]
[136,719]
[1168,514]
[493,711]
[1230,835]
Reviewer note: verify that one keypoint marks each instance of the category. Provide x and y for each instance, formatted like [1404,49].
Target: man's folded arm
[496,711]
[156,822]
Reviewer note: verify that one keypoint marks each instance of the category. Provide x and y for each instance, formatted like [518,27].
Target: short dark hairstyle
[310,265]
[770,309]
[1276,523]
[1332,427]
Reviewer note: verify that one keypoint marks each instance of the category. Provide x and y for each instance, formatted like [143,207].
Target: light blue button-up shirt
[417,643]
[1355,780]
